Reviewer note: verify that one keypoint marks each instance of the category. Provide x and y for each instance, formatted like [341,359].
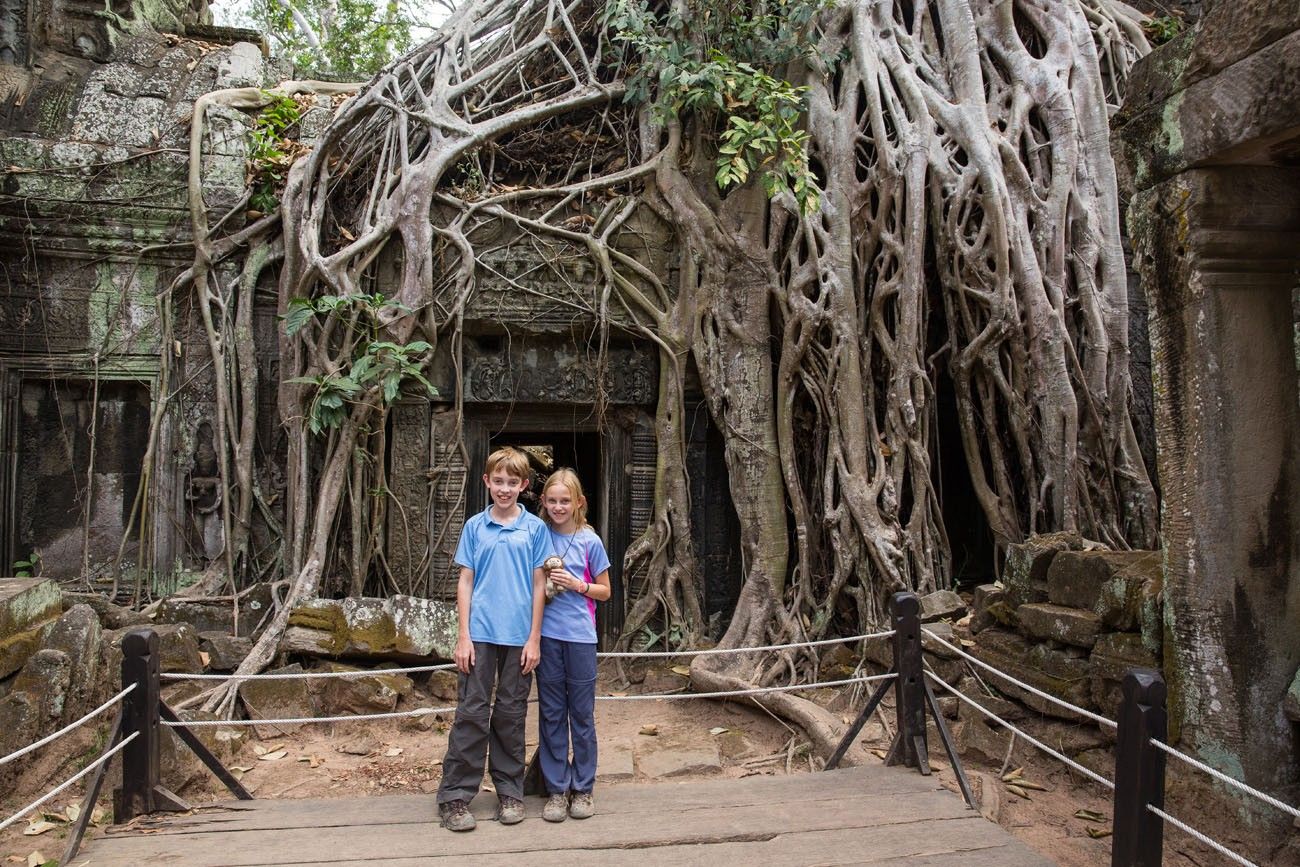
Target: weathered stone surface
[1069,625]
[278,699]
[443,685]
[46,677]
[942,605]
[944,664]
[1291,704]
[941,632]
[110,616]
[658,758]
[224,651]
[372,693]
[27,605]
[180,770]
[990,608]
[1052,671]
[210,615]
[178,648]
[1112,656]
[985,741]
[77,634]
[399,628]
[615,762]
[1024,576]
[1109,583]
[993,703]
[20,721]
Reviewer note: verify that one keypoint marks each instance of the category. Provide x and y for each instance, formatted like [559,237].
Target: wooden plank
[871,815]
[624,799]
[913,815]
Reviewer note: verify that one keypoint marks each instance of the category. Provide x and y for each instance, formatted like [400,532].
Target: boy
[499,601]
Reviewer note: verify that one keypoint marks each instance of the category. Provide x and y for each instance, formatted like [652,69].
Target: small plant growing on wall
[272,152]
[28,568]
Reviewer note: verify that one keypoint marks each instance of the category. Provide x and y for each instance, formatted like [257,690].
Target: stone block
[77,634]
[209,615]
[26,603]
[225,652]
[658,758]
[991,702]
[1112,656]
[371,693]
[1072,626]
[1052,671]
[990,607]
[978,737]
[47,678]
[942,605]
[1109,583]
[401,628]
[110,616]
[178,648]
[1024,575]
[615,762]
[943,663]
[443,685]
[278,699]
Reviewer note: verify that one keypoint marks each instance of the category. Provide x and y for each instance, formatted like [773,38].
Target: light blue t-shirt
[572,616]
[502,558]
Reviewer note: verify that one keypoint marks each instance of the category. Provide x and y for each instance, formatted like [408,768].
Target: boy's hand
[463,656]
[532,654]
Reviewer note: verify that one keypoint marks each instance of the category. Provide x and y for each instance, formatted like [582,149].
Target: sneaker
[455,816]
[557,808]
[582,807]
[510,811]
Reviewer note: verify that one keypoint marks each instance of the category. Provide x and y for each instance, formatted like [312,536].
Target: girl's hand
[567,580]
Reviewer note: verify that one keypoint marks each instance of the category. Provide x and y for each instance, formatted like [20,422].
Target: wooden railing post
[909,747]
[141,792]
[1139,772]
[140,716]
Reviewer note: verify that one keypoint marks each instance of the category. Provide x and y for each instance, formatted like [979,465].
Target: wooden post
[1139,772]
[141,792]
[909,747]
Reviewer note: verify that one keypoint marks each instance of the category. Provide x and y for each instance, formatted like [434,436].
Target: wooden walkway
[868,815]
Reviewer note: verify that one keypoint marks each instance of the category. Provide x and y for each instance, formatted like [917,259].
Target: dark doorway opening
[715,529]
[971,540]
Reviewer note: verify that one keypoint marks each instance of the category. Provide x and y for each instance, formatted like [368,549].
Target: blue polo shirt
[502,558]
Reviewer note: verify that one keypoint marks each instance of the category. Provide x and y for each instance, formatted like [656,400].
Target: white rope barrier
[1192,832]
[722,650]
[53,792]
[309,675]
[755,691]
[69,727]
[1222,777]
[1097,718]
[235,723]
[1042,746]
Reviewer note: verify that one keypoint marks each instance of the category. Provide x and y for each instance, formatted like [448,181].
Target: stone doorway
[565,437]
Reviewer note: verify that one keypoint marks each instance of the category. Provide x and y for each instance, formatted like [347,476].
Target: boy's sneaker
[510,811]
[456,816]
[557,808]
[582,806]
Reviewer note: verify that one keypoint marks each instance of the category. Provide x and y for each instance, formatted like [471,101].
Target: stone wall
[1210,144]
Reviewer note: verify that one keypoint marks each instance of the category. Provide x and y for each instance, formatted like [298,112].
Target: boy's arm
[464,654]
[533,648]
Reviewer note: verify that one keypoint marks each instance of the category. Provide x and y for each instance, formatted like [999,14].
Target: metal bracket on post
[909,746]
[141,793]
[1138,837]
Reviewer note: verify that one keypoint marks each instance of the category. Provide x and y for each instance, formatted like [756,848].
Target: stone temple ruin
[94,216]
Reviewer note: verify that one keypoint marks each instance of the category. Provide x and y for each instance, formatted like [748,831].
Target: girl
[566,675]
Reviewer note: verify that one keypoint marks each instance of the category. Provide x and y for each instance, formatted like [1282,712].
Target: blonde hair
[569,479]
[509,460]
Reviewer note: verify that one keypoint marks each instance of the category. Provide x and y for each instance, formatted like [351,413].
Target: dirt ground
[404,756]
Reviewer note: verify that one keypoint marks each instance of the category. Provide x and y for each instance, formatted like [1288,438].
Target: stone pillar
[408,483]
[1218,250]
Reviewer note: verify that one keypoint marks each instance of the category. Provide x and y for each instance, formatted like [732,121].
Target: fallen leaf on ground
[313,761]
[392,752]
[683,670]
[39,827]
[1097,833]
[14,859]
[98,815]
[72,812]
[1089,815]
[880,754]
[205,658]
[718,730]
[38,859]
[650,729]
[1012,775]
[1016,790]
[272,757]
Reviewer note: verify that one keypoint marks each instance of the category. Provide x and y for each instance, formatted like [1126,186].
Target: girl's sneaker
[556,809]
[582,806]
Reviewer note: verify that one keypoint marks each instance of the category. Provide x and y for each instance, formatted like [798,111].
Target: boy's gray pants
[488,730]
